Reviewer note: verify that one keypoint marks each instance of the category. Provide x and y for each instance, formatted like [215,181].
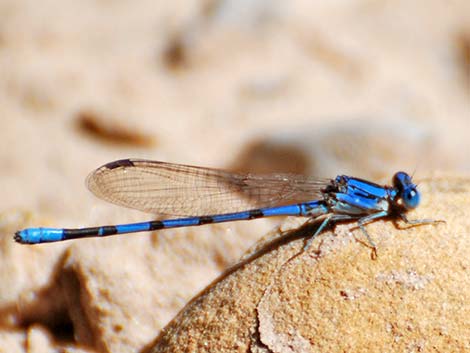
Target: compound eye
[401,180]
[410,198]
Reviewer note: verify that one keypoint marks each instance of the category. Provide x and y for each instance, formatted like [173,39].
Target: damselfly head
[407,192]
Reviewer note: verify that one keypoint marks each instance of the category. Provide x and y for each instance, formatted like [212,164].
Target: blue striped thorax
[355,196]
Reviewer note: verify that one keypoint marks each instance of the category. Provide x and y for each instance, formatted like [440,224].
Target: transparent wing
[181,190]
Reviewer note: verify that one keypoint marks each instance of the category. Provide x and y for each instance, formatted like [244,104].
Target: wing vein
[181,190]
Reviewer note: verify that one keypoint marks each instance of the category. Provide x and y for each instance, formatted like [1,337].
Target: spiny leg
[319,229]
[367,219]
[417,222]
[331,217]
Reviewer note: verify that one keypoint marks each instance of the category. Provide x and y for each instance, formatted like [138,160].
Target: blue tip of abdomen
[39,235]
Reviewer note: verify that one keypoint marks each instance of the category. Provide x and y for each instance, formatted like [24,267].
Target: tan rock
[335,298]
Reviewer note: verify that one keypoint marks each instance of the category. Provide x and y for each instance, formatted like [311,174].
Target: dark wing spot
[120,163]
